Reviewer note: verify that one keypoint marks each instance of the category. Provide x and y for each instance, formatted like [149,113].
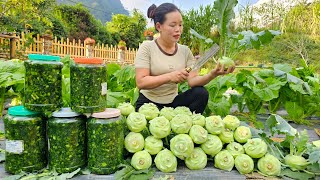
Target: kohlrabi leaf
[277,124]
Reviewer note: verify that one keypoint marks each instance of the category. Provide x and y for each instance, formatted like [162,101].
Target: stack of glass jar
[42,131]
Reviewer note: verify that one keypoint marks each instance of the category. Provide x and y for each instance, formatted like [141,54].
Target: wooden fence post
[12,47]
[89,43]
[47,44]
[121,56]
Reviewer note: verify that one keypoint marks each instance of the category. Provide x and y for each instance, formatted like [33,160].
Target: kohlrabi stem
[291,149]
[148,131]
[166,138]
[279,152]
[312,173]
[245,67]
[214,59]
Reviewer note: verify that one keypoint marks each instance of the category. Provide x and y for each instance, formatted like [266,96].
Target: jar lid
[88,60]
[43,57]
[65,112]
[20,111]
[108,113]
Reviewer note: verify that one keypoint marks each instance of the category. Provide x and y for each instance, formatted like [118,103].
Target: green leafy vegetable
[269,165]
[136,122]
[105,150]
[244,164]
[214,125]
[197,160]
[212,146]
[160,127]
[150,110]
[167,112]
[165,161]
[182,146]
[88,88]
[153,145]
[181,123]
[134,142]
[43,86]
[224,160]
[26,146]
[67,146]
[141,160]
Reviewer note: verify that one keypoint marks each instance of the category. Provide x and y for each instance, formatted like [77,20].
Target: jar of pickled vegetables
[88,84]
[105,141]
[26,147]
[43,83]
[67,141]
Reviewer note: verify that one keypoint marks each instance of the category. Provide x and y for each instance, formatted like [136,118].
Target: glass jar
[26,147]
[88,85]
[105,141]
[43,83]
[66,141]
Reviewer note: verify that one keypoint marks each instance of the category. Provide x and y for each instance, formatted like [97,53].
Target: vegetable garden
[247,127]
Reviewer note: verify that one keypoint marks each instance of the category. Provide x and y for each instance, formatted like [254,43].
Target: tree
[128,28]
[21,15]
[80,23]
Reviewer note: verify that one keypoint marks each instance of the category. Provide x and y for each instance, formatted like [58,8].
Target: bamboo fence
[62,47]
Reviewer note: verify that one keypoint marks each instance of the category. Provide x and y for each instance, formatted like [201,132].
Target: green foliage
[129,173]
[11,81]
[100,9]
[121,85]
[80,24]
[201,21]
[44,174]
[129,28]
[286,48]
[224,13]
[303,19]
[20,15]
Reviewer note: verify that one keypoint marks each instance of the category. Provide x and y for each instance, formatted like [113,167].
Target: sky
[184,5]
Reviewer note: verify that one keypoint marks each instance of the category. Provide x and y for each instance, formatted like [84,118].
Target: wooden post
[89,43]
[47,44]
[12,47]
[121,56]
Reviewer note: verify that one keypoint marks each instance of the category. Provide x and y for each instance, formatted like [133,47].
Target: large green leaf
[269,90]
[294,110]
[278,125]
[112,68]
[114,98]
[224,13]
[249,39]
[296,174]
[221,107]
[295,83]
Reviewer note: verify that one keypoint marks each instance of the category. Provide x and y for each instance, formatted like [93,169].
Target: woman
[160,65]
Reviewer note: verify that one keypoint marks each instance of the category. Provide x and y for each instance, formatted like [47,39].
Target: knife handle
[188,69]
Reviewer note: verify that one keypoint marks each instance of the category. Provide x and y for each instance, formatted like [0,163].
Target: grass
[287,48]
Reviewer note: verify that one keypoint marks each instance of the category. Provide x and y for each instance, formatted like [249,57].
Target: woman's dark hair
[158,13]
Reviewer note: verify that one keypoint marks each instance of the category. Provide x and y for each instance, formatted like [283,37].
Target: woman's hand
[220,70]
[178,76]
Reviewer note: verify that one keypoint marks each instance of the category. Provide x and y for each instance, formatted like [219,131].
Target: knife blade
[203,59]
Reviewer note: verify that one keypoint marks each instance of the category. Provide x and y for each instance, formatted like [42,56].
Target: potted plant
[148,34]
[89,41]
[122,45]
